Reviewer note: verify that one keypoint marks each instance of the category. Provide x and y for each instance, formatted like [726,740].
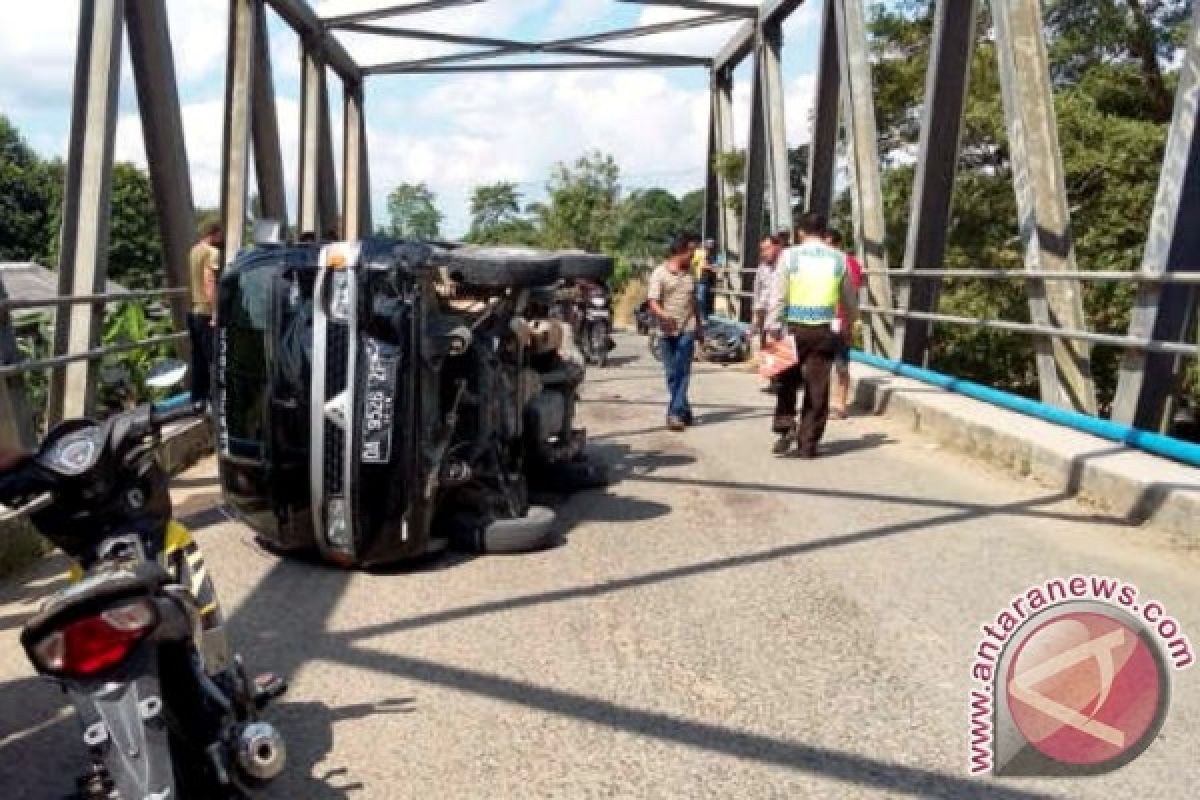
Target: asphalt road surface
[719,623]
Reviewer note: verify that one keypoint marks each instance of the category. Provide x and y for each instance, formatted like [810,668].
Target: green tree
[496,217]
[29,200]
[691,210]
[798,173]
[135,258]
[413,211]
[1112,101]
[646,220]
[581,205]
[493,205]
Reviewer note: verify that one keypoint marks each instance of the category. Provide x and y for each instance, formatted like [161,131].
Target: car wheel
[537,530]
[502,267]
[578,265]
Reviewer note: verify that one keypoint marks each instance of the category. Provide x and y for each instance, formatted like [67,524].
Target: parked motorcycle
[137,640]
[726,341]
[592,321]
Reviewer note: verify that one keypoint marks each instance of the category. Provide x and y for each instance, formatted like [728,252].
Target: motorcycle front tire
[598,343]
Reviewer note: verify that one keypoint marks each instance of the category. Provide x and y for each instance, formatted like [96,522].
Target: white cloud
[463,132]
[203,133]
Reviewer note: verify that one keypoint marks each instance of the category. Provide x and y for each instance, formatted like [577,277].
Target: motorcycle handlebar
[19,484]
[187,411]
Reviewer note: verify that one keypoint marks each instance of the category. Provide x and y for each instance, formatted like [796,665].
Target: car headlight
[336,530]
[339,299]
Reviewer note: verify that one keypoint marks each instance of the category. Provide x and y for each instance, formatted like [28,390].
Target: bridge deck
[720,623]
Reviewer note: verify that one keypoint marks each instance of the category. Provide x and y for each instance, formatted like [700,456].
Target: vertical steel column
[754,197]
[711,226]
[353,164]
[866,187]
[933,186]
[364,180]
[779,177]
[327,193]
[822,156]
[83,255]
[264,127]
[1148,380]
[166,150]
[16,428]
[312,92]
[1064,367]
[239,93]
[727,218]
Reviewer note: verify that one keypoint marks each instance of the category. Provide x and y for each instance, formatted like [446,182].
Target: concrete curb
[183,445]
[1141,488]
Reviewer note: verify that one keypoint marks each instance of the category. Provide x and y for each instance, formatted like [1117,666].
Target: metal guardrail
[1187,278]
[22,367]
[1127,342]
[81,299]
[1001,274]
[87,355]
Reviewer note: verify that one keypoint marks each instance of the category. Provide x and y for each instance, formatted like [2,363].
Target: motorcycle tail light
[92,644]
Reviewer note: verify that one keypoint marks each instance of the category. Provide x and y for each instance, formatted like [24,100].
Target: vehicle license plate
[378,401]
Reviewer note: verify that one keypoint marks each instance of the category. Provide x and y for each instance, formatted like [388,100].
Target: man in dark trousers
[204,264]
[672,300]
[811,280]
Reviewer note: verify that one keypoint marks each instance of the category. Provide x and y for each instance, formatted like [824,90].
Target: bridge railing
[16,416]
[1081,276]
[1127,342]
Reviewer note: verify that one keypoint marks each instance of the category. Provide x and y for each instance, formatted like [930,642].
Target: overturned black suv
[379,400]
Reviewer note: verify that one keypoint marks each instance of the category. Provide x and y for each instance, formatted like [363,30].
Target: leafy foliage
[29,200]
[496,217]
[582,204]
[413,212]
[1113,100]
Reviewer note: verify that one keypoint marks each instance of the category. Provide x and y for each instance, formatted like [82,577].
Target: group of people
[805,288]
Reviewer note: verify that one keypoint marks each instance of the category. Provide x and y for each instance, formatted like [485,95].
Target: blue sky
[451,132]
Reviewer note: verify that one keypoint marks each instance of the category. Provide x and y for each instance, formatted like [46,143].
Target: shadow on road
[309,727]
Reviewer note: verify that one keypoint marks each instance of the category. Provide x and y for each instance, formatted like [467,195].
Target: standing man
[844,331]
[205,265]
[769,250]
[672,301]
[809,283]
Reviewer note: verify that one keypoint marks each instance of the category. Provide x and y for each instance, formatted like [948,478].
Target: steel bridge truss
[900,303]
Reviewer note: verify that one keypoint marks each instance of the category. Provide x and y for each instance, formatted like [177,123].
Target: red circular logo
[1085,688]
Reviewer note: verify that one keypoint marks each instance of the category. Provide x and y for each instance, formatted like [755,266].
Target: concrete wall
[1146,490]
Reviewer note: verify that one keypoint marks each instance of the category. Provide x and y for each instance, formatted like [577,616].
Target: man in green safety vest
[810,281]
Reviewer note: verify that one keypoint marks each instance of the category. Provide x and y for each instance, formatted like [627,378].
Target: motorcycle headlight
[598,301]
[339,299]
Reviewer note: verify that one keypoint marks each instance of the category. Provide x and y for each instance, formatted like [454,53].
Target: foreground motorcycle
[137,640]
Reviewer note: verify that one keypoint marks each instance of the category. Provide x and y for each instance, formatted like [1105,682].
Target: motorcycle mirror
[166,374]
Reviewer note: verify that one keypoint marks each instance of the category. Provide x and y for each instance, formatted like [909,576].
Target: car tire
[577,476]
[537,530]
[502,267]
[578,265]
